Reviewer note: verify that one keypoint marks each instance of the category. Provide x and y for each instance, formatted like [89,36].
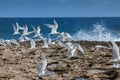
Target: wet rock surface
[17,63]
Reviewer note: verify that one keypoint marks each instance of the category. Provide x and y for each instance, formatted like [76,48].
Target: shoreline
[17,63]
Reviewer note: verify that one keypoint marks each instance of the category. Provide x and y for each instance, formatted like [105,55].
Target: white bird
[42,68]
[25,31]
[37,31]
[2,42]
[23,38]
[71,48]
[64,37]
[78,46]
[116,54]
[16,29]
[71,51]
[8,43]
[68,37]
[53,27]
[50,42]
[32,42]
[17,25]
[14,42]
[68,45]
[98,46]
[45,43]
[61,36]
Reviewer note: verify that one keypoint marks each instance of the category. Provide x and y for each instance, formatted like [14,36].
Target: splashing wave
[99,33]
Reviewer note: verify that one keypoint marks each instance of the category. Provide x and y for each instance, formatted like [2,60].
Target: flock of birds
[64,40]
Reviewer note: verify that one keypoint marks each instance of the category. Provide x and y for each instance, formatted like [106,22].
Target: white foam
[99,33]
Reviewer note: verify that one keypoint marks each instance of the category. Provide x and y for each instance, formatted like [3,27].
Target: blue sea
[81,28]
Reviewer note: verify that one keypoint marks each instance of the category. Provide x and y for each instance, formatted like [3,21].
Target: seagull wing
[34,29]
[55,24]
[49,25]
[115,49]
[26,28]
[17,25]
[38,29]
[14,27]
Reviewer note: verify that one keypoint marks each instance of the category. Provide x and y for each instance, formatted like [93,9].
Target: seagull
[14,42]
[53,27]
[32,42]
[78,46]
[71,48]
[50,41]
[16,29]
[68,45]
[116,54]
[8,43]
[71,51]
[68,37]
[37,31]
[25,31]
[61,36]
[21,28]
[2,42]
[45,43]
[41,68]
[64,37]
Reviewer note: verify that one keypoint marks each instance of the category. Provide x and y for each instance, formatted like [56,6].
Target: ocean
[81,28]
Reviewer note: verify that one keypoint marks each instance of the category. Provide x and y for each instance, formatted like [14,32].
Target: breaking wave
[99,33]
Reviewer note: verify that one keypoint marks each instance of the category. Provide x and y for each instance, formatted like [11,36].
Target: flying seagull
[41,68]
[116,54]
[53,27]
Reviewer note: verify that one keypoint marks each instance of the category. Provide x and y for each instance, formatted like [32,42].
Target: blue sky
[59,8]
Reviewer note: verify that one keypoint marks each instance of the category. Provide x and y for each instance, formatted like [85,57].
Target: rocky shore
[17,63]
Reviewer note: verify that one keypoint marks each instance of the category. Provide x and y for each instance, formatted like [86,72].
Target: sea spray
[99,33]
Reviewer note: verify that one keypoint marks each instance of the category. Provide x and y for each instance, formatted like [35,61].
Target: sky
[59,8]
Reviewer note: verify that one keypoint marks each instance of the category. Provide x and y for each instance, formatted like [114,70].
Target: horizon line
[65,17]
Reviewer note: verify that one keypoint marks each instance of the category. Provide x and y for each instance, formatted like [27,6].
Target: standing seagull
[53,27]
[116,54]
[41,68]
[45,43]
